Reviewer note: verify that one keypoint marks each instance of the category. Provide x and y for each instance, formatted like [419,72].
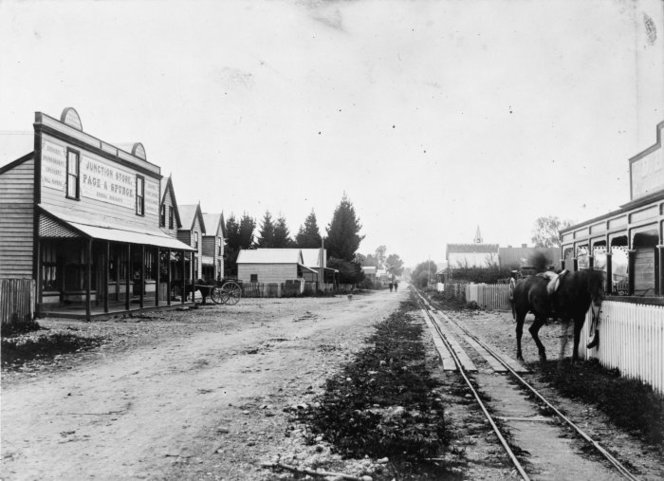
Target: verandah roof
[106,231]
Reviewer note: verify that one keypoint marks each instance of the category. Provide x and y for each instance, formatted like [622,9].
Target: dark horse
[575,294]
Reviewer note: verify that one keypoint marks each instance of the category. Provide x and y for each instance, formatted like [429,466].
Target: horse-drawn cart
[224,291]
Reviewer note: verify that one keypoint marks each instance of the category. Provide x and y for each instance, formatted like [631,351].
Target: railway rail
[451,352]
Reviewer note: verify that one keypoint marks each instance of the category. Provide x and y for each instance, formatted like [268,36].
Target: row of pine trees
[341,241]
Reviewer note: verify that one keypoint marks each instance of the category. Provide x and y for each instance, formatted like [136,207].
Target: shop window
[620,270]
[162,216]
[644,263]
[171,216]
[582,257]
[140,195]
[49,268]
[73,185]
[253,278]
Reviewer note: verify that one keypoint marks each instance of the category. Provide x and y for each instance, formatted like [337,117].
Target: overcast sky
[434,117]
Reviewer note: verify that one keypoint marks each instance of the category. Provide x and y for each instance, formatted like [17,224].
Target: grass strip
[383,403]
[629,403]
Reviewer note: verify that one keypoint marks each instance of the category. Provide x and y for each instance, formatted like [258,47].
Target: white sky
[433,116]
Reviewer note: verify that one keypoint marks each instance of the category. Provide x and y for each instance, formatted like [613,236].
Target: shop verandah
[83,273]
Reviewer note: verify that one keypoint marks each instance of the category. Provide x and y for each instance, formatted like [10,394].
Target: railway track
[453,343]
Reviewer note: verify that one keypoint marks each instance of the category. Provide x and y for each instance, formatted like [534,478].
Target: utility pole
[321,265]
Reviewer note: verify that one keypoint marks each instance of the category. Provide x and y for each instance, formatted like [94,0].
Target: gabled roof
[213,221]
[15,145]
[17,162]
[169,190]
[189,213]
[470,248]
[270,256]
[312,257]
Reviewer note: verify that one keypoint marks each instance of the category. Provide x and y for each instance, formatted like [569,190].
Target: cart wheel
[216,295]
[232,293]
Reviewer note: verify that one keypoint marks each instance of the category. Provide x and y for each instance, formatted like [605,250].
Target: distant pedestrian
[396,286]
[391,286]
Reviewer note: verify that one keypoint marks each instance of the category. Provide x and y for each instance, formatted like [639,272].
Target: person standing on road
[396,286]
[391,286]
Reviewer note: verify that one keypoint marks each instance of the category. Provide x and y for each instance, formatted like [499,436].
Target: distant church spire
[478,236]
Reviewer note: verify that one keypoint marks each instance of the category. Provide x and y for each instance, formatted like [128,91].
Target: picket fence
[631,339]
[489,296]
[17,301]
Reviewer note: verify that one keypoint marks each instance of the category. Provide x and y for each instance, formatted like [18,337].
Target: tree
[380,256]
[238,236]
[423,273]
[266,234]
[546,231]
[369,260]
[350,272]
[282,234]
[247,227]
[308,237]
[343,237]
[394,265]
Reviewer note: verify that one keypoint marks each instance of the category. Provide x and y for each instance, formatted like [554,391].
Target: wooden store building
[627,243]
[82,218]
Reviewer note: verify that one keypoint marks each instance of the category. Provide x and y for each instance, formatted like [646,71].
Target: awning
[55,223]
[308,268]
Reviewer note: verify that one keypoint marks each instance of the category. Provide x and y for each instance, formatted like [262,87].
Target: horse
[204,287]
[576,293]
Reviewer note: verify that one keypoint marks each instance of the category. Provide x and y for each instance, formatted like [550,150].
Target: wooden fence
[631,339]
[288,289]
[17,301]
[489,296]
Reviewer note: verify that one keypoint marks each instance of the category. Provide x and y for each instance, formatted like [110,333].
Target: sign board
[99,179]
[54,166]
[647,174]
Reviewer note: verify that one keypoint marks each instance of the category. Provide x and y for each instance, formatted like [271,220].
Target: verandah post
[142,291]
[184,277]
[107,257]
[158,277]
[127,276]
[168,270]
[88,278]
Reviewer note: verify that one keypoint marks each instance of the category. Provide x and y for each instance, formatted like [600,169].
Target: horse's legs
[534,329]
[563,341]
[520,317]
[578,325]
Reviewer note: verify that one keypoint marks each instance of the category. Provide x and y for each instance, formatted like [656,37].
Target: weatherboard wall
[267,273]
[17,221]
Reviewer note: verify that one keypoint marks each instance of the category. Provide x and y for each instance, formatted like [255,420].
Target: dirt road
[201,403]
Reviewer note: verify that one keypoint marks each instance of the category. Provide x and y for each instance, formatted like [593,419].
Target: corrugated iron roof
[113,232]
[211,223]
[270,256]
[187,214]
[312,257]
[466,248]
